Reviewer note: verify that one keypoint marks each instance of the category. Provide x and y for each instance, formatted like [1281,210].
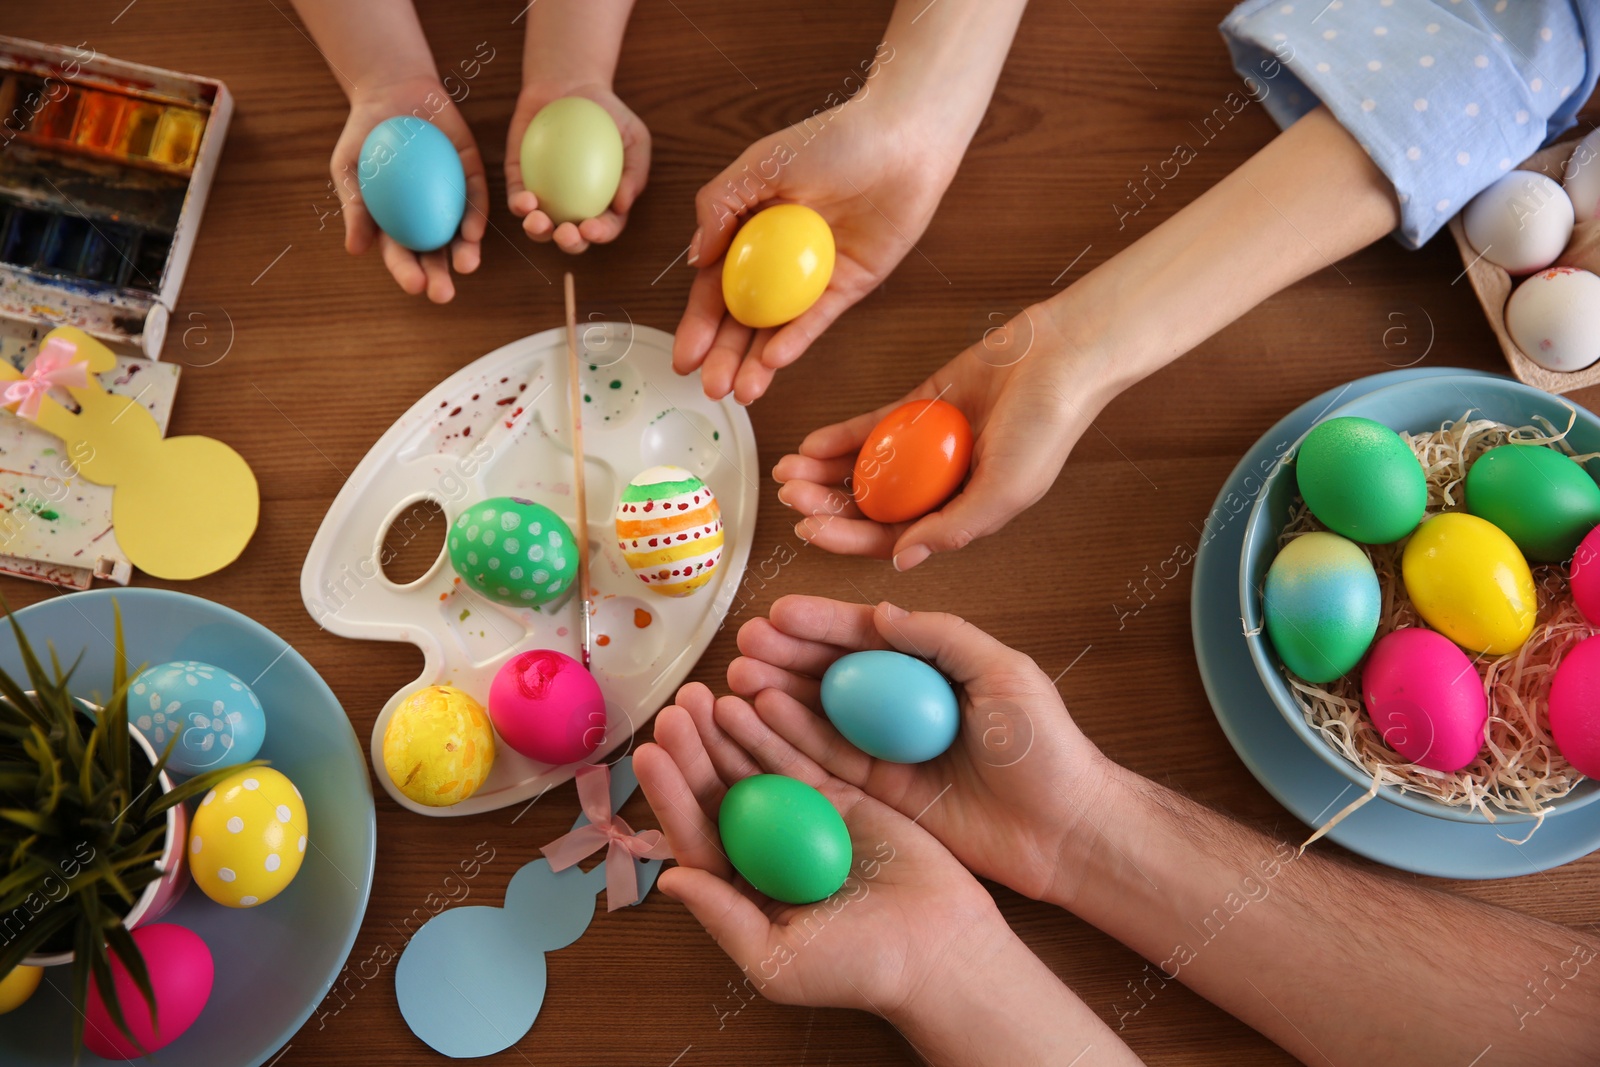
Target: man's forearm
[1334,963]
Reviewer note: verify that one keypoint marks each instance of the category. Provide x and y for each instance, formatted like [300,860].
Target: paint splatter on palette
[104,171]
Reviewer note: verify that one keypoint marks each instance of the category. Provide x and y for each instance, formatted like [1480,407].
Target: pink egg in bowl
[545,705]
[181,973]
[1425,698]
[1575,706]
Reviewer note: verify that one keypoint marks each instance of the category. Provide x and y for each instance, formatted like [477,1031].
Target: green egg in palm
[785,838]
[1543,500]
[572,159]
[1361,480]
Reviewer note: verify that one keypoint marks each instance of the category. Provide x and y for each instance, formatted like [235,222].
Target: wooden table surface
[300,356]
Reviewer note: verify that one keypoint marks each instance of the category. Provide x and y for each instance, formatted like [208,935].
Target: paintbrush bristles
[575,396]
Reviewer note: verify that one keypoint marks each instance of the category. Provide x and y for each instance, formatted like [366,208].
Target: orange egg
[912,461]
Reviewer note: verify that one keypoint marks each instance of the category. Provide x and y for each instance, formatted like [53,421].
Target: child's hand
[1008,794]
[576,237]
[1029,394]
[876,179]
[907,919]
[425,97]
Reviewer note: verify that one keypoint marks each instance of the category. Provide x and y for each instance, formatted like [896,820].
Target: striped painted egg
[670,530]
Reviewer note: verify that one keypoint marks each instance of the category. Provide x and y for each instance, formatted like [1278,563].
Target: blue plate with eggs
[275,962]
[1285,764]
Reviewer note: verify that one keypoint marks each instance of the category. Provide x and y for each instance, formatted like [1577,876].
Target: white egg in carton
[500,427]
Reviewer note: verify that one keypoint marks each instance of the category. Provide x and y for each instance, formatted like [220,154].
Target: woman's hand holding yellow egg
[423,96]
[1008,798]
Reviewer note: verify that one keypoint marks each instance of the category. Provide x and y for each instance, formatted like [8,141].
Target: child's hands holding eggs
[417,272]
[588,196]
[1004,798]
[905,899]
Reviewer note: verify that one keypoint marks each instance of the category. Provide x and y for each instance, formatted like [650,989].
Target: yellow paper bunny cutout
[183,507]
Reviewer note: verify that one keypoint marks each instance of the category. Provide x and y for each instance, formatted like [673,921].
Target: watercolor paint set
[104,171]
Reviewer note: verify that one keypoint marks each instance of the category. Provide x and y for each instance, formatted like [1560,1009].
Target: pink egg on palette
[547,707]
[181,971]
[1575,706]
[1425,698]
[1585,583]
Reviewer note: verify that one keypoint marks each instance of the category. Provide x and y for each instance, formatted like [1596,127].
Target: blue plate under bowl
[275,962]
[1416,406]
[1289,769]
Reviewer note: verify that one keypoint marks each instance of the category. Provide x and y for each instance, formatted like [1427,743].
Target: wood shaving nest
[1519,770]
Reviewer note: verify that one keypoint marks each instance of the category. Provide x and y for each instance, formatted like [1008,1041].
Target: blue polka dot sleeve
[1444,95]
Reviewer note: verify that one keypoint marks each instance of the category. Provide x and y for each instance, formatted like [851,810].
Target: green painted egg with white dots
[514,551]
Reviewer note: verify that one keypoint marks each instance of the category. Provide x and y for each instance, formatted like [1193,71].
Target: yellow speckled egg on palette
[669,527]
[248,838]
[439,746]
[1468,580]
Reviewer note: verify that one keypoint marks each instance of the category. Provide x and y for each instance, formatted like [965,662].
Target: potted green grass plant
[92,828]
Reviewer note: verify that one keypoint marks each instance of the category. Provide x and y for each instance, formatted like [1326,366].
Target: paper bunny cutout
[183,506]
[471,981]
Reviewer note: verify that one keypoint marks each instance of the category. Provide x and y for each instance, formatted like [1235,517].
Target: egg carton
[500,427]
[1493,284]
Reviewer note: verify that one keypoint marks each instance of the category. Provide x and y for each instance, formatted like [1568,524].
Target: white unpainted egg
[1582,178]
[1554,317]
[1521,222]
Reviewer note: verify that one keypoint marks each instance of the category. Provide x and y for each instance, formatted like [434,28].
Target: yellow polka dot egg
[248,838]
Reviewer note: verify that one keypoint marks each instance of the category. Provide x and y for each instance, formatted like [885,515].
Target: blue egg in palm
[215,716]
[412,182]
[891,706]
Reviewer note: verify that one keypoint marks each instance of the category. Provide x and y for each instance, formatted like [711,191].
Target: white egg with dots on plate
[1554,317]
[1521,222]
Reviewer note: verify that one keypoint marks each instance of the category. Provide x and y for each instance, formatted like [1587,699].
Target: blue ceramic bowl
[276,962]
[1415,406]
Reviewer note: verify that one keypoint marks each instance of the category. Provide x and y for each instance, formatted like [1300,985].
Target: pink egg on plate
[547,707]
[181,971]
[1425,698]
[1585,583]
[1575,706]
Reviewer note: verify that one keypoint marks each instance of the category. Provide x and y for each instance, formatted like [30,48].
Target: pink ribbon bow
[605,828]
[52,367]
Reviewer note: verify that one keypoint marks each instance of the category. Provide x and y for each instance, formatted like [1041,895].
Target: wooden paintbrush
[575,391]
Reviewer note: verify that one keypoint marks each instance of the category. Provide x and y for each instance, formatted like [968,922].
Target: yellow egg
[18,986]
[438,747]
[248,838]
[778,264]
[1468,580]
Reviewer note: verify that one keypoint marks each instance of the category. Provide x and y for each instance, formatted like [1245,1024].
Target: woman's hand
[908,918]
[1012,794]
[1029,394]
[424,97]
[569,236]
[872,173]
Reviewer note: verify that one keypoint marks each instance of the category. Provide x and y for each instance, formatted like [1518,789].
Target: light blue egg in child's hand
[412,182]
[216,717]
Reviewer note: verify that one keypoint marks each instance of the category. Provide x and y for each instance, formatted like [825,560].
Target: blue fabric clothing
[1444,95]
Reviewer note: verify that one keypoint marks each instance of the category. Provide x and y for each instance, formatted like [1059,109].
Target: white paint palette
[500,427]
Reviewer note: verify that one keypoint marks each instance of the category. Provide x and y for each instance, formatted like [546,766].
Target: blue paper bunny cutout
[471,981]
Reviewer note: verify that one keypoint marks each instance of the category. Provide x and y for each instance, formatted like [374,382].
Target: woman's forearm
[368,43]
[1302,203]
[574,42]
[1334,963]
